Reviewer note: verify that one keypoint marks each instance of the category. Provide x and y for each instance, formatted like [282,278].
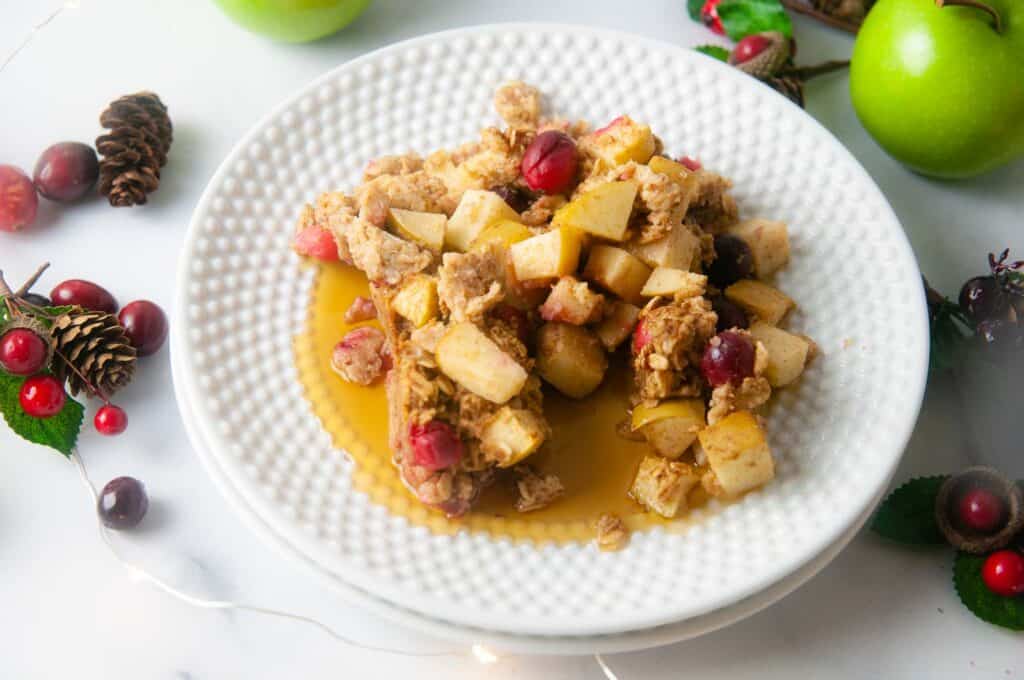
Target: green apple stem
[976,4]
[808,72]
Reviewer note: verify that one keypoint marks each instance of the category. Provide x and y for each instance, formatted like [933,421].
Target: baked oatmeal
[532,260]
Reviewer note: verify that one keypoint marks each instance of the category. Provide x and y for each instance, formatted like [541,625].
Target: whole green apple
[293,20]
[940,85]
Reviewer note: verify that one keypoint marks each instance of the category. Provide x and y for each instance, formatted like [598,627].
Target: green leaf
[907,515]
[693,8]
[744,17]
[1007,612]
[59,432]
[719,53]
[951,332]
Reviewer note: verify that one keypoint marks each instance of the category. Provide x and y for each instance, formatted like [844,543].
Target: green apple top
[293,20]
[940,83]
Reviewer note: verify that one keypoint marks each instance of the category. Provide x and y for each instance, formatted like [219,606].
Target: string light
[484,655]
[70,4]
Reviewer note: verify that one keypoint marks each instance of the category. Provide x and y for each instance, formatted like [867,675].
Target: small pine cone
[135,148]
[790,86]
[850,10]
[97,349]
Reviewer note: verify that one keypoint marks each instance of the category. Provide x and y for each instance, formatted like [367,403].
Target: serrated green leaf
[907,515]
[693,8]
[719,53]
[1007,612]
[745,17]
[59,432]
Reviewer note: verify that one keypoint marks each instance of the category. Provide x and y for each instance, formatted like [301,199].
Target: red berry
[18,199]
[317,243]
[981,510]
[110,420]
[692,164]
[728,358]
[750,47]
[66,171]
[145,324]
[42,396]
[550,162]
[640,337]
[709,15]
[435,445]
[22,352]
[1003,573]
[123,503]
[84,294]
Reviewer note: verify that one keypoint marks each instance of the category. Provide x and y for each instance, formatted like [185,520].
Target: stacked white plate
[838,435]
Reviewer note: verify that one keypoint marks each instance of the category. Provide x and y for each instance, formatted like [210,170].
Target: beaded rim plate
[838,435]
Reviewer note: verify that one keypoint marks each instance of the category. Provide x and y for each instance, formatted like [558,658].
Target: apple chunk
[767,303]
[617,324]
[661,485]
[679,249]
[603,211]
[665,166]
[617,271]
[548,256]
[668,282]
[768,241]
[738,453]
[503,233]
[787,353]
[623,140]
[467,356]
[425,228]
[417,300]
[570,358]
[512,435]
[671,426]
[477,210]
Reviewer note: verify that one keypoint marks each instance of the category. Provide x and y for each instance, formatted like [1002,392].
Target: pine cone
[97,349]
[135,148]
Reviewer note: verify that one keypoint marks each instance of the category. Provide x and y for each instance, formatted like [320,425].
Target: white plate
[838,435]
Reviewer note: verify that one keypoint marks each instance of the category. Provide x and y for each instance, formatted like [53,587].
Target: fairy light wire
[70,4]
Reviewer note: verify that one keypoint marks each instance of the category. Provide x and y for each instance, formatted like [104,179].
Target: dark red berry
[66,171]
[23,351]
[730,314]
[641,336]
[145,324]
[981,511]
[42,396]
[728,358]
[123,503]
[513,196]
[1003,573]
[85,294]
[18,199]
[733,261]
[435,445]
[549,163]
[110,420]
[981,299]
[749,47]
[709,15]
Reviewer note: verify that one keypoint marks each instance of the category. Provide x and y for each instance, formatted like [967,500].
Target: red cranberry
[514,317]
[317,243]
[110,420]
[18,199]
[145,324]
[435,445]
[750,47]
[123,503]
[730,314]
[709,15]
[42,396]
[85,294]
[66,171]
[641,336]
[549,163]
[728,358]
[1003,573]
[981,510]
[22,352]
[692,164]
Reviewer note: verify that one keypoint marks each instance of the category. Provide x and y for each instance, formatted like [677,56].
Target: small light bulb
[484,655]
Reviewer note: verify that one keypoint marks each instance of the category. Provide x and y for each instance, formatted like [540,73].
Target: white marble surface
[66,610]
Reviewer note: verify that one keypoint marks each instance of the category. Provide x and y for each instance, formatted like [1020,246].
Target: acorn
[762,55]
[979,510]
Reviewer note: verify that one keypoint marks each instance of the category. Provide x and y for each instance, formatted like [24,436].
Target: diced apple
[768,241]
[617,325]
[787,353]
[512,435]
[767,303]
[623,140]
[679,249]
[504,233]
[671,426]
[617,271]
[603,211]
[572,301]
[665,166]
[547,256]
[661,485]
[738,453]
[674,282]
[477,210]
[417,300]
[467,356]
[570,358]
[425,228]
